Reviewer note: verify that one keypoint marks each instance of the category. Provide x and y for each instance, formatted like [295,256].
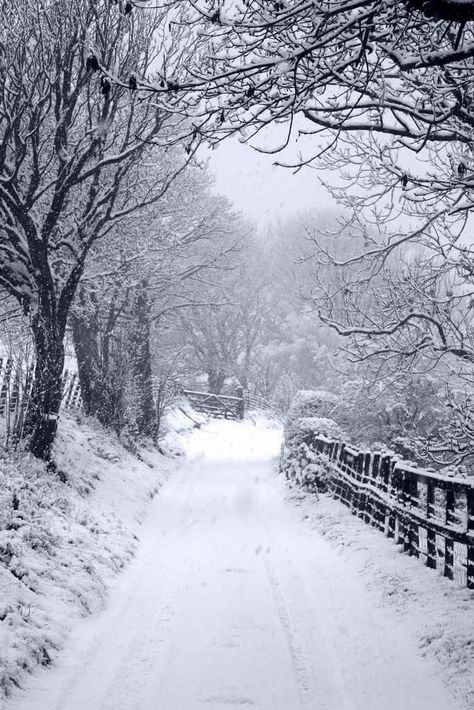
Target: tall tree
[69,142]
[131,289]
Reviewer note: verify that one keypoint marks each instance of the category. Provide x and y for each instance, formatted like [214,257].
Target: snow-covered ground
[235,599]
[64,536]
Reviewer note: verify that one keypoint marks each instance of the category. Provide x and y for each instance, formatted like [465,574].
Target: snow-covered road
[232,602]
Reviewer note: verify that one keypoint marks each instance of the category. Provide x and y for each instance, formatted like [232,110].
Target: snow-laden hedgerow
[63,535]
[296,430]
[309,403]
[307,418]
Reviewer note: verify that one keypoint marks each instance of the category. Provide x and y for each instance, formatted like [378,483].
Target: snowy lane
[233,602]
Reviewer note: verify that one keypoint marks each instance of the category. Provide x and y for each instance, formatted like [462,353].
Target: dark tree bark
[100,380]
[70,149]
[85,333]
[112,347]
[215,380]
[141,365]
[45,400]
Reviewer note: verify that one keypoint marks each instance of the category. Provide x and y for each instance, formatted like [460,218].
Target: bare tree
[131,290]
[366,83]
[69,141]
[398,67]
[224,334]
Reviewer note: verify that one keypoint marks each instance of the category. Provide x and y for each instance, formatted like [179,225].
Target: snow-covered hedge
[63,535]
[309,403]
[299,429]
[308,417]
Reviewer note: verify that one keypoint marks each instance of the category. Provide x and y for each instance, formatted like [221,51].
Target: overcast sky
[260,190]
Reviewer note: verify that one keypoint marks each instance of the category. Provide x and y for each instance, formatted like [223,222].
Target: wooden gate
[217,405]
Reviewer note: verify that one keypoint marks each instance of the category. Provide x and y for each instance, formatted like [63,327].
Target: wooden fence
[16,380]
[430,514]
[217,405]
[227,406]
[254,402]
[71,391]
[15,387]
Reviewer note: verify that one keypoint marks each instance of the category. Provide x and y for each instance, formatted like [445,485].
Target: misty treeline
[113,243]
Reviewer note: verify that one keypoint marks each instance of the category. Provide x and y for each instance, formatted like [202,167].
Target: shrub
[309,403]
[308,417]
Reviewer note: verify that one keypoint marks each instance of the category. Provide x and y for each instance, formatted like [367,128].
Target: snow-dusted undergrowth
[63,537]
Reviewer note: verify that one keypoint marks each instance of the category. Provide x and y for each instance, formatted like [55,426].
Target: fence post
[448,542]
[470,533]
[4,391]
[399,481]
[16,387]
[358,498]
[70,385]
[406,524]
[240,404]
[377,513]
[385,473]
[339,459]
[77,393]
[366,478]
[414,530]
[430,533]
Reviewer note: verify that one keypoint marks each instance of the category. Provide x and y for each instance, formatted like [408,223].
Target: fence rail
[255,402]
[431,515]
[217,405]
[228,406]
[71,391]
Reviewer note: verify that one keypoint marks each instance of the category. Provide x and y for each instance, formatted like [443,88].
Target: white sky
[262,191]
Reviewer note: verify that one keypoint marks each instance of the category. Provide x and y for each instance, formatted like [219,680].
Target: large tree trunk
[215,380]
[141,364]
[45,400]
[101,382]
[245,370]
[85,334]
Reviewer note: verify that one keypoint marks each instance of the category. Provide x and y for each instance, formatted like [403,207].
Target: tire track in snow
[300,666]
[317,672]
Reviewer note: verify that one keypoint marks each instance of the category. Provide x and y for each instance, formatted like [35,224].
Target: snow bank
[264,419]
[63,536]
[236,442]
[179,421]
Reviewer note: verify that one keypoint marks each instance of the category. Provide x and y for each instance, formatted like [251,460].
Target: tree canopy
[399,67]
